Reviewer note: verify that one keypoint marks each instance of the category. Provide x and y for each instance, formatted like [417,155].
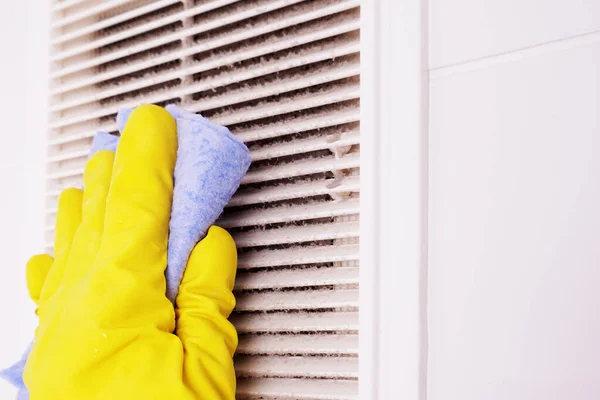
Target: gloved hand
[107,330]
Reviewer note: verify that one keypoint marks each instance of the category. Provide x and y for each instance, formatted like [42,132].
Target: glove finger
[204,303]
[68,219]
[96,182]
[131,261]
[36,271]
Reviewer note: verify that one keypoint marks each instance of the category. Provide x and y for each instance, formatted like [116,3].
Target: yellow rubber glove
[107,330]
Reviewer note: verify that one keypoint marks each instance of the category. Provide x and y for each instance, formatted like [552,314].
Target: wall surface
[23,110]
[514,218]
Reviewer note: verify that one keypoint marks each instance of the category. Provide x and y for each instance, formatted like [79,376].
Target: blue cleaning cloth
[14,375]
[210,165]
[104,141]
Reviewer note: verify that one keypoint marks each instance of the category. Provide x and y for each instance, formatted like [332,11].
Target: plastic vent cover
[283,75]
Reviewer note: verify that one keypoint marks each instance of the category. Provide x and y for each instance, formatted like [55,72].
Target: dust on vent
[283,75]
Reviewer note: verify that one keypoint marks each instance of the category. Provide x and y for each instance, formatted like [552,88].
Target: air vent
[283,75]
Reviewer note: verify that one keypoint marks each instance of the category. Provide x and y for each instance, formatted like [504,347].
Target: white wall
[23,111]
[514,218]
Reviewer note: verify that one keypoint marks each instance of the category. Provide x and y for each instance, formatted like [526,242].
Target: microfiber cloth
[210,165]
[104,141]
[14,375]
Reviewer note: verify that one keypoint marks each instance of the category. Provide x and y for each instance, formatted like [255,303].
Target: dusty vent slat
[301,277]
[311,367]
[297,234]
[298,256]
[297,300]
[303,167]
[333,141]
[301,344]
[297,389]
[294,191]
[287,213]
[290,322]
[275,86]
[298,123]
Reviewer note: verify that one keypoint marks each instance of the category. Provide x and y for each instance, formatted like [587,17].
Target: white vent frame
[394,198]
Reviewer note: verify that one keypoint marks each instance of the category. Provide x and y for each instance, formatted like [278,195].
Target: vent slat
[288,104]
[314,120]
[298,344]
[297,300]
[297,389]
[290,213]
[304,277]
[299,146]
[309,367]
[296,190]
[289,322]
[298,256]
[277,86]
[297,234]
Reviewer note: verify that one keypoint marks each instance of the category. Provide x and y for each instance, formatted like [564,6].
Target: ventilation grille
[283,75]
